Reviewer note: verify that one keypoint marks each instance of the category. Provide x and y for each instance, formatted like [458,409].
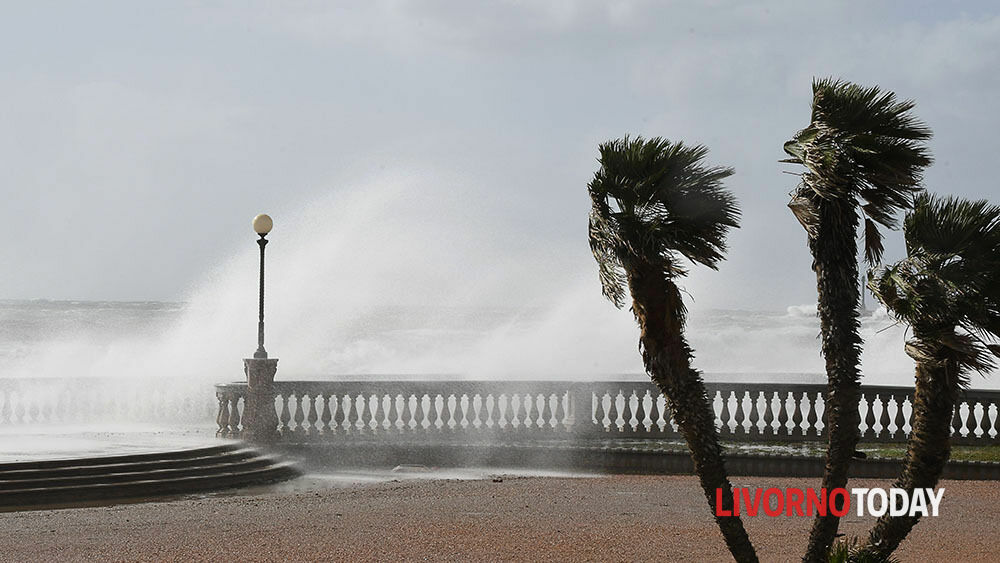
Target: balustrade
[758,412]
[320,410]
[87,400]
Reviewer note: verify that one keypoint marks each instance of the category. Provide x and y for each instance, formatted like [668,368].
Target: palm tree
[654,203]
[863,153]
[948,290]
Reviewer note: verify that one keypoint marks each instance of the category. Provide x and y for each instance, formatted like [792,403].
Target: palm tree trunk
[835,261]
[658,308]
[927,452]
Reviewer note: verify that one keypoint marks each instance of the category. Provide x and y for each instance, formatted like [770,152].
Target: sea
[52,338]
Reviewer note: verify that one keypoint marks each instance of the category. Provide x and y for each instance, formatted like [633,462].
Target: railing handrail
[542,384]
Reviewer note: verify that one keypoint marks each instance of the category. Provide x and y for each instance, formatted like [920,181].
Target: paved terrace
[335,518]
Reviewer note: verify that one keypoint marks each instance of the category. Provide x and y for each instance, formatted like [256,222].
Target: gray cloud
[138,143]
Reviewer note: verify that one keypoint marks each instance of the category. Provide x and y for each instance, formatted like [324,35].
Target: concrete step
[136,477]
[68,468]
[29,480]
[125,458]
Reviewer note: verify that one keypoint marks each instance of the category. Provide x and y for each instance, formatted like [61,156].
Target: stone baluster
[740,415]
[529,411]
[392,417]
[409,413]
[542,411]
[490,406]
[526,416]
[754,414]
[769,414]
[813,418]
[600,413]
[640,412]
[313,416]
[545,413]
[783,413]
[476,410]
[561,418]
[367,421]
[615,412]
[285,416]
[342,405]
[300,415]
[725,415]
[662,418]
[452,421]
[864,410]
[956,421]
[433,413]
[326,416]
[884,433]
[508,412]
[379,424]
[461,412]
[973,424]
[524,412]
[352,413]
[446,413]
[797,417]
[652,414]
[352,420]
[541,405]
[899,419]
[234,417]
[223,417]
[626,411]
[423,416]
[464,415]
[985,424]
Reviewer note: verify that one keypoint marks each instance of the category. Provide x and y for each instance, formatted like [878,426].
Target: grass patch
[812,449]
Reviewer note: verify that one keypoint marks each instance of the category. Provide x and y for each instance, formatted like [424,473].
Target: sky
[139,139]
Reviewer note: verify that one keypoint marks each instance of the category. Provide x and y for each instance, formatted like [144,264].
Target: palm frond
[862,145]
[948,286]
[873,243]
[803,206]
[652,200]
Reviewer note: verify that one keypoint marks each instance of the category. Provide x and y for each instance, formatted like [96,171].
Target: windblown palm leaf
[861,144]
[949,280]
[652,201]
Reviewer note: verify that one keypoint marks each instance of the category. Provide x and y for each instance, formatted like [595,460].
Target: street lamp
[262,225]
[260,421]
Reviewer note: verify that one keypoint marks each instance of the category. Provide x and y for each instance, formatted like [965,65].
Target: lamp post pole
[261,353]
[260,421]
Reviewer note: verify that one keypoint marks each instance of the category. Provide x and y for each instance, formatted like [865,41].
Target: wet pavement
[34,443]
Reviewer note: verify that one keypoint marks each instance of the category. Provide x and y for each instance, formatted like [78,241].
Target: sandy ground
[605,518]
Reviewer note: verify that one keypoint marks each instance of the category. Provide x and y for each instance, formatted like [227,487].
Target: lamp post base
[260,421]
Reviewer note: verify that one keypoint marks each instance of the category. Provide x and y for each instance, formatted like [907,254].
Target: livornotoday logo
[838,502]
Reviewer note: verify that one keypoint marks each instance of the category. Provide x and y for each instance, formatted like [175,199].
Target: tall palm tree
[863,153]
[948,290]
[654,204]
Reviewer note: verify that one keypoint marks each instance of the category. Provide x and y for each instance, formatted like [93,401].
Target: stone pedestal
[260,421]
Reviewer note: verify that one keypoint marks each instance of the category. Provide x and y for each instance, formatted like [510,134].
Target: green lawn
[876,451]
[962,453]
